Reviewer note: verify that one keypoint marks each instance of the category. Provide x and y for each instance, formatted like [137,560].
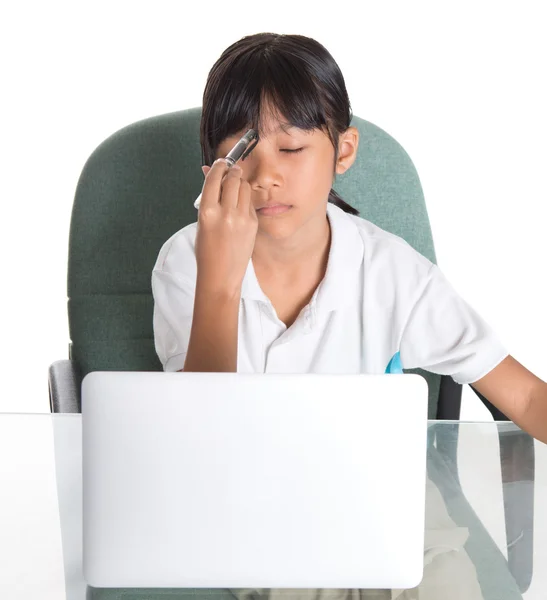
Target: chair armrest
[517,458]
[450,399]
[517,474]
[65,384]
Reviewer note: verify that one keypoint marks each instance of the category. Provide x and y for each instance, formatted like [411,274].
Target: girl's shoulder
[178,250]
[382,246]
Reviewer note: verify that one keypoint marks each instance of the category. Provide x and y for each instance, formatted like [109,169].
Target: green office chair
[137,189]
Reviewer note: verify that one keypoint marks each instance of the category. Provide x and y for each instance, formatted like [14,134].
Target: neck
[289,257]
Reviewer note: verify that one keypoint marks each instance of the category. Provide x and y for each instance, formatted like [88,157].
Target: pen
[240,150]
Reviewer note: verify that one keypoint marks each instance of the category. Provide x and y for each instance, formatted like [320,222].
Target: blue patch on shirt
[395,365]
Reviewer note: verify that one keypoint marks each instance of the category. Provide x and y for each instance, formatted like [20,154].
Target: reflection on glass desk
[486,517]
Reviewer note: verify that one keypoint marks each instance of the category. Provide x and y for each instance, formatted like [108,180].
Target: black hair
[295,73]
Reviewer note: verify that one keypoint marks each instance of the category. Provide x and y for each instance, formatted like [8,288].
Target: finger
[210,194]
[205,169]
[229,194]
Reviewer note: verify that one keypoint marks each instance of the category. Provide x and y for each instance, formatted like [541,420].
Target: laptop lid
[224,480]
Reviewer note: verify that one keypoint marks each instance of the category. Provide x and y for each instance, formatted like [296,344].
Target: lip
[273,210]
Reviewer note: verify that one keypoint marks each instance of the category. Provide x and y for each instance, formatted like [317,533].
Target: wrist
[224,292]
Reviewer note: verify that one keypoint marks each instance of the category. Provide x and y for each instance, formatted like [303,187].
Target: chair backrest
[137,189]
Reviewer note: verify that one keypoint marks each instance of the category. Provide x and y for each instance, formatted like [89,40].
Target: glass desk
[486,517]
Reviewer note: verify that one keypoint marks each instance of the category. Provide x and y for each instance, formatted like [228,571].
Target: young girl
[279,274]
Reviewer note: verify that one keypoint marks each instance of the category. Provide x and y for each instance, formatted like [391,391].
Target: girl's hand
[226,233]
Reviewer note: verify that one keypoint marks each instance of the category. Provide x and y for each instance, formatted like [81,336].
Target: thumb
[205,169]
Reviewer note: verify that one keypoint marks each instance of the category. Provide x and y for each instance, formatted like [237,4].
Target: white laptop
[224,480]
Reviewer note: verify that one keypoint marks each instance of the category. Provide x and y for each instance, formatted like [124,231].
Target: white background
[460,85]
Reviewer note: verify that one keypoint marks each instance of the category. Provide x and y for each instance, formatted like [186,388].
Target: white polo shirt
[381,307]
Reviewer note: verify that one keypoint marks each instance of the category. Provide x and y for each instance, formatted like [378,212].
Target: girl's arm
[225,238]
[213,338]
[519,394]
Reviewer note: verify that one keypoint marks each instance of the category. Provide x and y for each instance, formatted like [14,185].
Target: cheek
[311,175]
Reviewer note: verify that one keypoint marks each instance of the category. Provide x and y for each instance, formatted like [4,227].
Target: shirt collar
[337,289]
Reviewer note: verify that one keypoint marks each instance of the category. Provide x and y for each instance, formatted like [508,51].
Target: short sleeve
[444,335]
[172,320]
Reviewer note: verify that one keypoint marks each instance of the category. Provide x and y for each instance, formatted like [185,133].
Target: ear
[348,142]
[205,169]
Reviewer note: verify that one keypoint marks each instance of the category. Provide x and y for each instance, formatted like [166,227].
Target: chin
[276,230]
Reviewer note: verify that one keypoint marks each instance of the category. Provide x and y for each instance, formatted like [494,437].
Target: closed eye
[287,150]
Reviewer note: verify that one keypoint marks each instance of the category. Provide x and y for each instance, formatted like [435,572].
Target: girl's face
[291,167]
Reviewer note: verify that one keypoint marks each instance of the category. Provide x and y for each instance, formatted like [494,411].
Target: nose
[262,171]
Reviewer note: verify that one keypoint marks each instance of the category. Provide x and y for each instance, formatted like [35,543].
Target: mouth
[273,210]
